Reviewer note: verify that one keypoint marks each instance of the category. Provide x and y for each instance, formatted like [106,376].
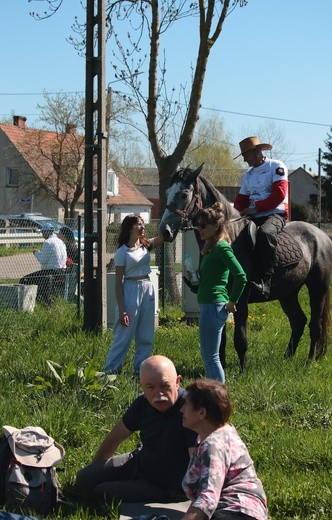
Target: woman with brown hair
[218,261]
[134,293]
[221,480]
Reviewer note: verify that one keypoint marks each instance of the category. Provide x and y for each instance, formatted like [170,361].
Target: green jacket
[214,271]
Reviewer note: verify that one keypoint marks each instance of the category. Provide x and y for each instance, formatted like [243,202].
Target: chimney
[19,121]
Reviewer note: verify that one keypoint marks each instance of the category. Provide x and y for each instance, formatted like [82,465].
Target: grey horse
[304,258]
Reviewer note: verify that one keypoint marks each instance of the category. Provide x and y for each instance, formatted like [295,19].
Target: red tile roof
[29,142]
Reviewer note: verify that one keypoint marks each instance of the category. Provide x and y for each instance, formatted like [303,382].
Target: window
[12,177]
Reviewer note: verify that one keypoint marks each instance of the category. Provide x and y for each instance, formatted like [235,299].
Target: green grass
[282,408]
[16,250]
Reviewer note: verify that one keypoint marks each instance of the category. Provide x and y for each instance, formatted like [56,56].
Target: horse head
[188,193]
[182,203]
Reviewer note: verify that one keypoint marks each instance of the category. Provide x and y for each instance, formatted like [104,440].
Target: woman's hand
[124,320]
[230,307]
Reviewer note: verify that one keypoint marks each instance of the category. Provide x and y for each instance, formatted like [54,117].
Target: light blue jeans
[212,319]
[139,303]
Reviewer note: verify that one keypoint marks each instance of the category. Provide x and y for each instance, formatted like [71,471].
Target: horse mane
[229,211]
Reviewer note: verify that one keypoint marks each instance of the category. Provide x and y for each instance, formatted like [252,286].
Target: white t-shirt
[257,184]
[53,254]
[136,262]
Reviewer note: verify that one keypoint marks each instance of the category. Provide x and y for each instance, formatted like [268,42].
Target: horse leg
[240,332]
[297,320]
[222,349]
[319,294]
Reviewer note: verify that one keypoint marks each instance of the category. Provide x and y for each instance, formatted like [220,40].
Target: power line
[286,120]
[268,117]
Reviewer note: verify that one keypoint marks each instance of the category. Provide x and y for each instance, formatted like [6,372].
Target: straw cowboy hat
[31,446]
[251,143]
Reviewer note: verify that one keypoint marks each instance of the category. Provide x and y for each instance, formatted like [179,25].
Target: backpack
[28,479]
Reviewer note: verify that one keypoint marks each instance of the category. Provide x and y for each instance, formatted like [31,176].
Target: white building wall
[302,185]
[118,213]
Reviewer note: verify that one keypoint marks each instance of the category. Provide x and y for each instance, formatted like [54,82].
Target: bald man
[154,471]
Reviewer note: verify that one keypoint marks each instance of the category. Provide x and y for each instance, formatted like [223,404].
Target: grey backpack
[29,479]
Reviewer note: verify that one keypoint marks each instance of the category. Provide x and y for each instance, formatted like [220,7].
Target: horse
[304,259]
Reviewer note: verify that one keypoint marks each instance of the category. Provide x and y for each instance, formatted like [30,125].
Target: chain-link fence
[26,280]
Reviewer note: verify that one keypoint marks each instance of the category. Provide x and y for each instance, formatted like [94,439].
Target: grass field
[283,408]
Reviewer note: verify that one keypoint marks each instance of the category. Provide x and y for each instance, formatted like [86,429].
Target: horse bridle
[195,203]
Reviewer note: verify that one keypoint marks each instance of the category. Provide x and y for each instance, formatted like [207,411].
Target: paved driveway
[16,266]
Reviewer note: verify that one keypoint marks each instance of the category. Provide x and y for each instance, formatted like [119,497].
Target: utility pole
[95,306]
[319,187]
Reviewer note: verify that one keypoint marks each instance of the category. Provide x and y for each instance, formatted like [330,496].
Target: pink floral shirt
[221,475]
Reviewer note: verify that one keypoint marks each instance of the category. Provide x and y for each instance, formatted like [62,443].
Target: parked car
[33,222]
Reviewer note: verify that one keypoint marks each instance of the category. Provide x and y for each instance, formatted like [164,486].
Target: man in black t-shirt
[153,472]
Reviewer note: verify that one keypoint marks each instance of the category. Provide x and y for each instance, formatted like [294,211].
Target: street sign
[25,200]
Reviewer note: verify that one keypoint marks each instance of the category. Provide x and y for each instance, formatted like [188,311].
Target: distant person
[221,480]
[263,197]
[154,471]
[67,236]
[52,258]
[214,298]
[134,293]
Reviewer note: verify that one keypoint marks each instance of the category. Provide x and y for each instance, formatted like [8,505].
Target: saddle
[288,250]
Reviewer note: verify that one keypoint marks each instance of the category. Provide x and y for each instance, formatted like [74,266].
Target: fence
[17,261]
[19,264]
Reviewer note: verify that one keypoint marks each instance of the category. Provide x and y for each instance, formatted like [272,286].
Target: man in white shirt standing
[52,259]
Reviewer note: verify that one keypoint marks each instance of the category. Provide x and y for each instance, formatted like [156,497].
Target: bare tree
[271,132]
[212,147]
[134,25]
[59,149]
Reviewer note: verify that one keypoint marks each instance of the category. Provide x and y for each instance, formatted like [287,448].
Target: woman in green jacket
[218,261]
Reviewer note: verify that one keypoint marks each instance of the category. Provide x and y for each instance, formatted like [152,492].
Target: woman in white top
[134,293]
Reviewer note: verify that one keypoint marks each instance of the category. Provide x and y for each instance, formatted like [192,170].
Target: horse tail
[321,345]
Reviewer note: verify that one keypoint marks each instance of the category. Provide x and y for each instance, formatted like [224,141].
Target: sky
[271,65]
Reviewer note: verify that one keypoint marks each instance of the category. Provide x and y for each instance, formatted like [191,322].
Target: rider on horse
[263,197]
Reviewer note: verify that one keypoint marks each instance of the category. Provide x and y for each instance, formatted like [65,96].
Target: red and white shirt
[265,188]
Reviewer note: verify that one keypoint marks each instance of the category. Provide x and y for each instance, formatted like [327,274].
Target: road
[16,266]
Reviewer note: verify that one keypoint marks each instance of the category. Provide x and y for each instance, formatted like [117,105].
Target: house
[147,179]
[29,180]
[123,198]
[303,187]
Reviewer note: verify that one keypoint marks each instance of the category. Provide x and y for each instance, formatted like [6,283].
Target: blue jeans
[212,319]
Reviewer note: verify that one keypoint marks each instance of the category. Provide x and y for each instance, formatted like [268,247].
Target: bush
[299,212]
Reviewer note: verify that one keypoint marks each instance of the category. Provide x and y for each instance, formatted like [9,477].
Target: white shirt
[257,184]
[135,262]
[53,254]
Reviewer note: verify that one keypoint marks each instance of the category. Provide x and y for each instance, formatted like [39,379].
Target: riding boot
[261,289]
